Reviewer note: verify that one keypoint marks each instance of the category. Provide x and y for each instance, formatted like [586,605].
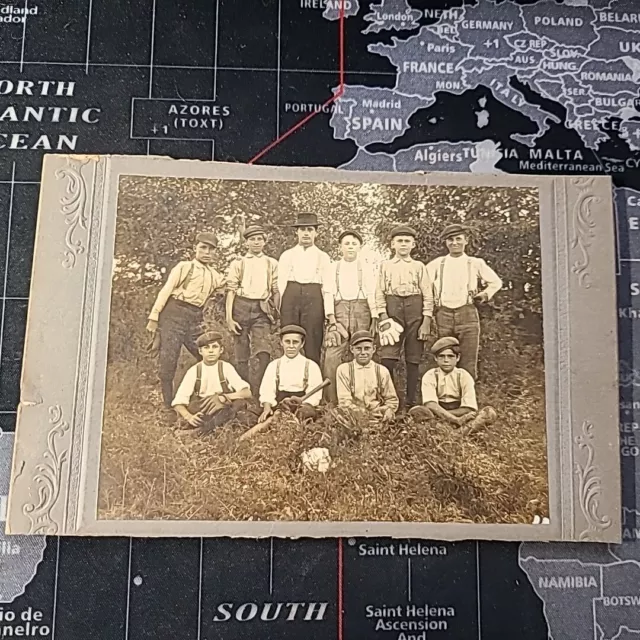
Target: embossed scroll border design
[563,426]
[84,362]
[48,478]
[589,484]
[583,228]
[73,207]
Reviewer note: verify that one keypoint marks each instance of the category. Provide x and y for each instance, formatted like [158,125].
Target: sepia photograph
[239,350]
[325,351]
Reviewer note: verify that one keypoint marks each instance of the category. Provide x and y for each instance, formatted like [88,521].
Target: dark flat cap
[207,238]
[361,336]
[293,328]
[306,220]
[350,232]
[208,338]
[254,230]
[444,343]
[403,230]
[454,230]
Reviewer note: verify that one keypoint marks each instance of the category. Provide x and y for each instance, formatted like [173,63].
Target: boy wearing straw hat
[301,282]
[460,282]
[252,302]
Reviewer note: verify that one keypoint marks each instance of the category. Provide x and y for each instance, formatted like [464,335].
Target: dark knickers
[221,415]
[302,304]
[305,411]
[462,323]
[179,324]
[256,328]
[406,311]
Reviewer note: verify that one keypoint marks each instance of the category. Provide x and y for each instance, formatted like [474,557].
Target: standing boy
[364,384]
[448,392]
[290,377]
[459,283]
[252,302]
[301,279]
[404,293]
[211,392]
[177,312]
[349,303]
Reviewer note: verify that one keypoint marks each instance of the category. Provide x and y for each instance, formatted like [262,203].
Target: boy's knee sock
[412,383]
[263,362]
[167,392]
[389,364]
[242,367]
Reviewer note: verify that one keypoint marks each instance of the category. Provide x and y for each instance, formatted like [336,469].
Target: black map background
[189,49]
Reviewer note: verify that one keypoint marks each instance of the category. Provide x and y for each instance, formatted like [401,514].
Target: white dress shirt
[303,265]
[291,379]
[457,280]
[194,289]
[438,386]
[354,280]
[209,383]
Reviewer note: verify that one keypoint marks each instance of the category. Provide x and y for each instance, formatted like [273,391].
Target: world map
[573,68]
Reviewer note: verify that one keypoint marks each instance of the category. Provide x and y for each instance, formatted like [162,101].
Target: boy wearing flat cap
[404,293]
[211,392]
[290,377]
[177,312]
[364,384]
[459,283]
[448,392]
[349,304]
[301,282]
[252,302]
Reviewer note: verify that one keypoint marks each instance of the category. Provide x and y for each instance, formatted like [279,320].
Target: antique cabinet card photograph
[217,349]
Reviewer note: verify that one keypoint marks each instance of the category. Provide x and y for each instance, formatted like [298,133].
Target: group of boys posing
[394,307]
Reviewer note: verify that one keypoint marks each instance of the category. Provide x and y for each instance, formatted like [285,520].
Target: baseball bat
[263,425]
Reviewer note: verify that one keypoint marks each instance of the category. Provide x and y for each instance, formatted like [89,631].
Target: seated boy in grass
[363,384]
[448,392]
[288,379]
[211,392]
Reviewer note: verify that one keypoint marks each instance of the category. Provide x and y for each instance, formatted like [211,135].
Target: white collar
[292,360]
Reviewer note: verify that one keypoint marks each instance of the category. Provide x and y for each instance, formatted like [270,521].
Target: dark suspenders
[352,380]
[269,276]
[359,266]
[305,378]
[470,291]
[224,384]
[438,393]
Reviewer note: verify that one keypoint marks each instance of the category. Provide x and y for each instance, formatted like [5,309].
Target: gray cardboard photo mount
[55,472]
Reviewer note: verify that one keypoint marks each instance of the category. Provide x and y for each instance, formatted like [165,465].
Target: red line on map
[331,100]
[340,575]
